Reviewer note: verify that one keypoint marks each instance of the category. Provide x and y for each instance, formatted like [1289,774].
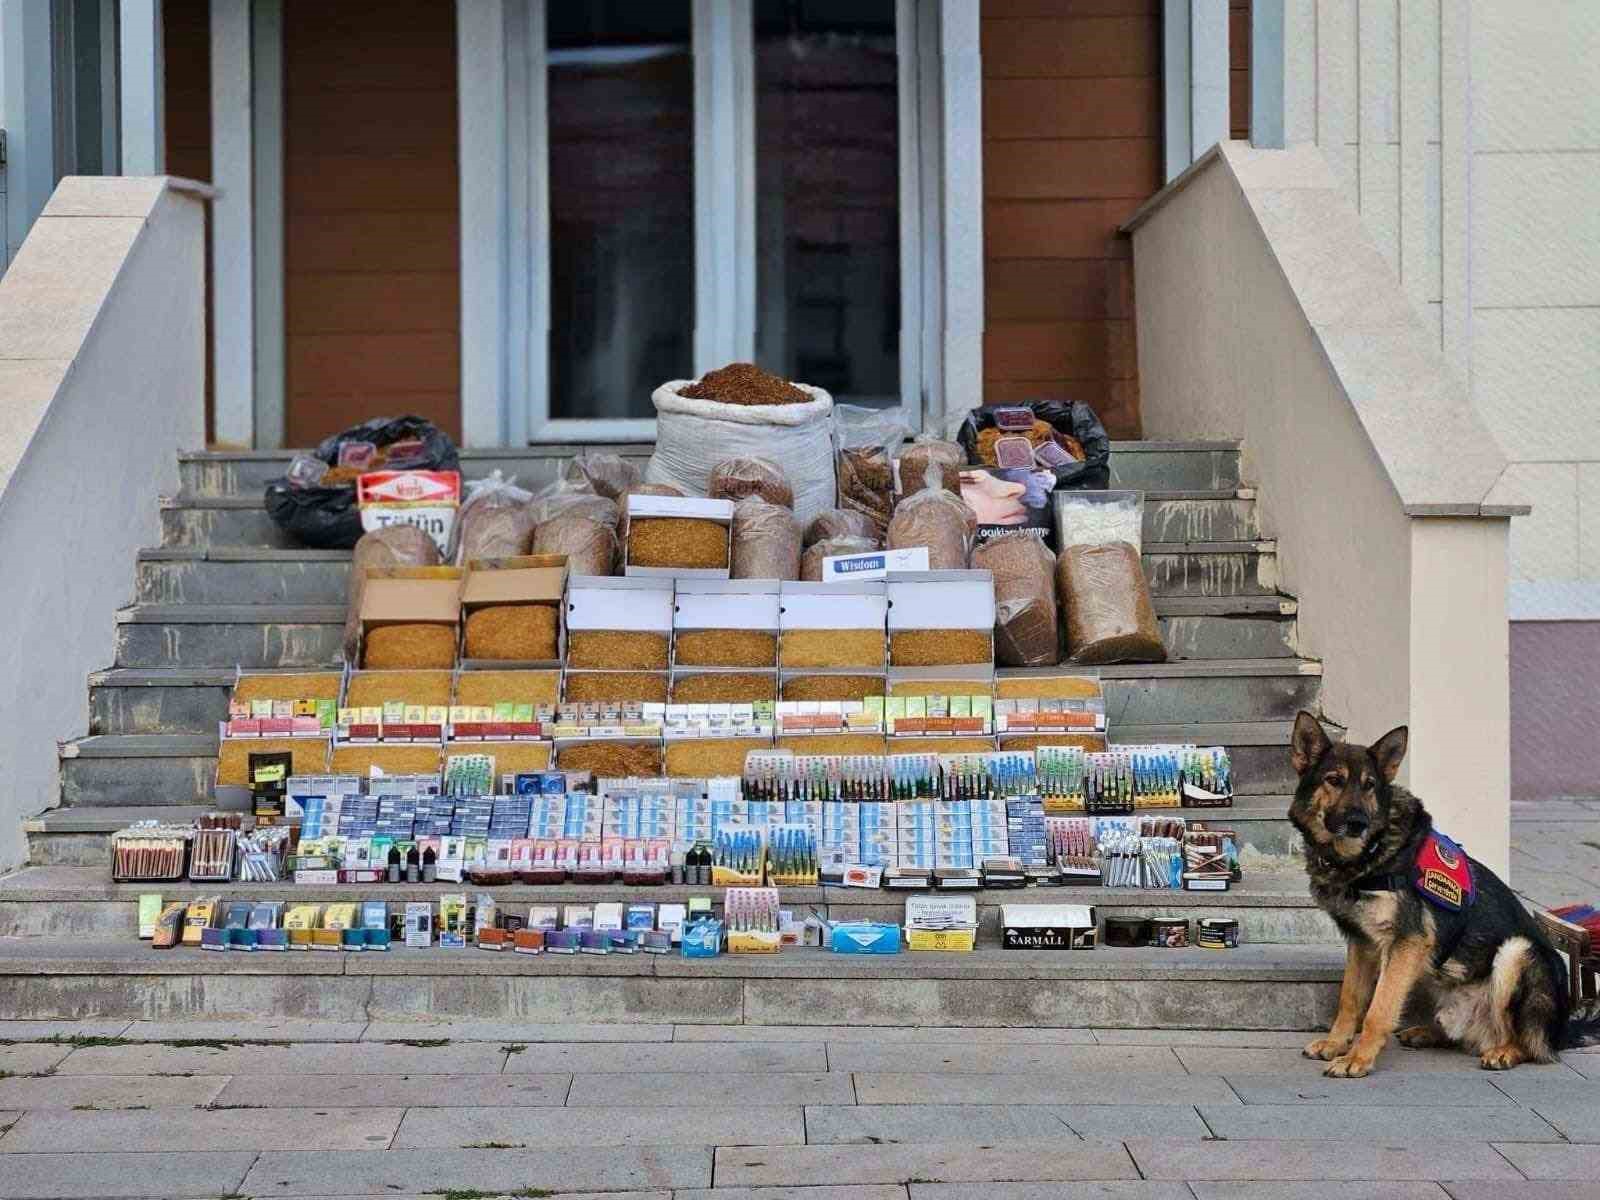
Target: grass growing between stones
[420,1043]
[495,1146]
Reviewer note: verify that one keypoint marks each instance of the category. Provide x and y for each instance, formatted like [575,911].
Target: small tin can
[1170,933]
[1128,931]
[1217,933]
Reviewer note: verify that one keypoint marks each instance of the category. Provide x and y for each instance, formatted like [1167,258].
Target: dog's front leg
[1404,965]
[1355,993]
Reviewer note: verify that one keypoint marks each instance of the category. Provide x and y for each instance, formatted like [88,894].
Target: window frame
[505,217]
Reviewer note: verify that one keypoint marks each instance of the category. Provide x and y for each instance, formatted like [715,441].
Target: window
[827,145]
[709,181]
[83,75]
[620,121]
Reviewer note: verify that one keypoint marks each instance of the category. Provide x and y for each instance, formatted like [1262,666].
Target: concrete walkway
[1555,851]
[749,1113]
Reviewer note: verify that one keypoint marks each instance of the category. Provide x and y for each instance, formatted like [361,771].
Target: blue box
[703,939]
[864,937]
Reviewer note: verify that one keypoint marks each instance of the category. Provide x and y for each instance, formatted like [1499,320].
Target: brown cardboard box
[410,596]
[527,579]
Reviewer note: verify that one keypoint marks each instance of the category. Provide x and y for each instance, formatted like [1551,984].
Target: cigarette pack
[149,913]
[452,921]
[864,937]
[528,941]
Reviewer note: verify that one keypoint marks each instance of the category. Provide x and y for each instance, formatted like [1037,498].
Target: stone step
[1169,516]
[218,574]
[270,636]
[193,700]
[161,769]
[1145,465]
[1253,987]
[41,901]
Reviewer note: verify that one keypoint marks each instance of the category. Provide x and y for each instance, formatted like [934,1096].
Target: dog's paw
[1353,1065]
[1325,1048]
[1418,1037]
[1502,1058]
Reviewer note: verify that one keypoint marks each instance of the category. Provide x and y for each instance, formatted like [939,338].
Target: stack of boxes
[647,813]
[841,833]
[991,830]
[879,834]
[1025,830]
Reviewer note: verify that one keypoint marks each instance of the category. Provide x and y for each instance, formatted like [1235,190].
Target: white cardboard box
[690,507]
[617,602]
[940,600]
[857,604]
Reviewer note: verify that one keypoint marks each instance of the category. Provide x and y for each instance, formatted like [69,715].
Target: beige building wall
[1535,233]
[1467,134]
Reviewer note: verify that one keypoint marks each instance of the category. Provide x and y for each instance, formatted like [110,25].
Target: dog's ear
[1308,744]
[1390,751]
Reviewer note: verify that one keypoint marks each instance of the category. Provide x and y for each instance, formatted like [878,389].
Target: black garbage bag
[1016,499]
[327,518]
[1072,417]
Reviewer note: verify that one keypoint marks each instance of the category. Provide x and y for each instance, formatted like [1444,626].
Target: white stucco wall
[1467,133]
[102,370]
[1268,312]
[1536,273]
[1374,84]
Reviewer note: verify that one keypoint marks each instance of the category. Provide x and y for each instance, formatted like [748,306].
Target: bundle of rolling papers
[792,855]
[262,853]
[750,910]
[1120,859]
[1071,842]
[1162,859]
[211,857]
[469,775]
[738,854]
[149,851]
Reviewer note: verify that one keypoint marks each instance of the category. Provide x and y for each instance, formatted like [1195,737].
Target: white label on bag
[875,564]
[427,499]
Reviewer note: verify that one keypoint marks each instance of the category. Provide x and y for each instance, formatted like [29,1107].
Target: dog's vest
[1442,874]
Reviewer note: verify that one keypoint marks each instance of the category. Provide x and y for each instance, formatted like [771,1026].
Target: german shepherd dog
[1466,958]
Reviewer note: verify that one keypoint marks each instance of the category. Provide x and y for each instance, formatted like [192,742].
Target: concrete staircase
[225,590]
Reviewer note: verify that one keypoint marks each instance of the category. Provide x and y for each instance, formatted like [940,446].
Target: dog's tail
[1583,1027]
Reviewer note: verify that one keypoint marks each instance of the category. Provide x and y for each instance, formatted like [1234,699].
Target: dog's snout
[1351,823]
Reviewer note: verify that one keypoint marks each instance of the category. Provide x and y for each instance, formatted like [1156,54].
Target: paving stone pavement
[115,1111]
[1555,851]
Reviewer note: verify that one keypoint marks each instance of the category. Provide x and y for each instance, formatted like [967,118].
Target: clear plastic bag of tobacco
[1100,580]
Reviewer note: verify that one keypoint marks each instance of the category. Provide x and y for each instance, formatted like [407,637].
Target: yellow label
[754,943]
[941,939]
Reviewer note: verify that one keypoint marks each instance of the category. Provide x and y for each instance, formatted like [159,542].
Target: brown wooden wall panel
[186,113]
[1239,69]
[1071,8]
[1081,168]
[371,241]
[401,301]
[1074,350]
[1072,145]
[1030,289]
[1056,228]
[1071,48]
[1071,108]
[371,186]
